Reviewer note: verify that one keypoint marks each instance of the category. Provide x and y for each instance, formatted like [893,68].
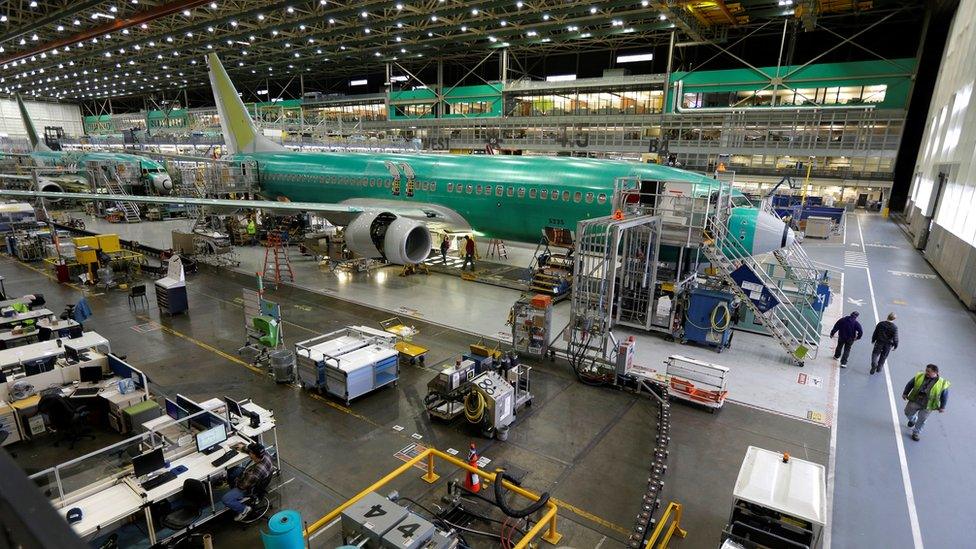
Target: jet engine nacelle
[383,234]
[162,182]
[51,187]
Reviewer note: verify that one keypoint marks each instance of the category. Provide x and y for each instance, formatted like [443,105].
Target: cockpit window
[741,202]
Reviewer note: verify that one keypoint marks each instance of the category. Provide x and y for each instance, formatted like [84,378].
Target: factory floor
[885,490]
[589,447]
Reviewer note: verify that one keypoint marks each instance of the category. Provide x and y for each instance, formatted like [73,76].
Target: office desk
[104,508]
[11,302]
[6,321]
[11,359]
[9,340]
[243,426]
[59,328]
[126,497]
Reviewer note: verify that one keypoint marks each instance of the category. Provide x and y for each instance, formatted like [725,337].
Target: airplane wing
[433,215]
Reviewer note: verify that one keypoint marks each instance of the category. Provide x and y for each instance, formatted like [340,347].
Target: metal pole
[440,89]
[504,67]
[779,62]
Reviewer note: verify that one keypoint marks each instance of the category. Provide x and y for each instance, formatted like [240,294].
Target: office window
[589,198]
[521,192]
[544,194]
[471,188]
[565,196]
[450,187]
[532,193]
[577,197]
[499,190]
[602,198]
[510,192]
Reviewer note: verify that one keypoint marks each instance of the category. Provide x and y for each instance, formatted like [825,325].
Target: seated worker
[242,479]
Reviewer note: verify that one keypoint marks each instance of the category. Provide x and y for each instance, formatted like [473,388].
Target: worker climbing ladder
[496,247]
[277,264]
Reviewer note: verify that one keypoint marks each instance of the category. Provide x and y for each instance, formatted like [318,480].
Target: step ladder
[785,322]
[496,246]
[130,211]
[277,264]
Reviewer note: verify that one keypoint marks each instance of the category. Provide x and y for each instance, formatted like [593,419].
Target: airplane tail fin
[240,133]
[35,140]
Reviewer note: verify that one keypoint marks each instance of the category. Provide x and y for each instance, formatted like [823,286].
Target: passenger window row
[540,194]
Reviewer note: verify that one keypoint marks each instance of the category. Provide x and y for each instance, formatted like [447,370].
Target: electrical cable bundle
[474,411]
[578,361]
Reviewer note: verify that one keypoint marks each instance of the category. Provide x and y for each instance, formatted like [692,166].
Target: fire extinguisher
[472,482]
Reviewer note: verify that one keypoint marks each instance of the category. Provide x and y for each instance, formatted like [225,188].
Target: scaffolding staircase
[799,267]
[277,264]
[111,180]
[784,321]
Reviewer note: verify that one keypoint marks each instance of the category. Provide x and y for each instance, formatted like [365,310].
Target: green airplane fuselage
[80,160]
[507,197]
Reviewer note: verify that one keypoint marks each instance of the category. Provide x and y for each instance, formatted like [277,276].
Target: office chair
[269,328]
[37,302]
[195,498]
[69,421]
[138,292]
[258,500]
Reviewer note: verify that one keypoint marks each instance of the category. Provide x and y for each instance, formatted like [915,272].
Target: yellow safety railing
[673,512]
[547,521]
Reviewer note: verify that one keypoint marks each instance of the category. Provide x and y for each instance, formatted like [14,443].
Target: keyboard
[86,391]
[158,481]
[224,458]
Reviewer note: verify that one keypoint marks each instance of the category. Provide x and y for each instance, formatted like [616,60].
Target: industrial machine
[778,502]
[709,318]
[489,392]
[348,363]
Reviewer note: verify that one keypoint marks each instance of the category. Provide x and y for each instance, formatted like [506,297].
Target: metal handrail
[786,312]
[674,527]
[547,521]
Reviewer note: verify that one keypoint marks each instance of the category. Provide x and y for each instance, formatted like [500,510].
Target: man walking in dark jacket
[849,330]
[885,339]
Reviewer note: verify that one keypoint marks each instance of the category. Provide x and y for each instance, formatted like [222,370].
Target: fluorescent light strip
[635,58]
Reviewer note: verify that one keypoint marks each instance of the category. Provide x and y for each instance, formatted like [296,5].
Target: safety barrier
[673,512]
[547,521]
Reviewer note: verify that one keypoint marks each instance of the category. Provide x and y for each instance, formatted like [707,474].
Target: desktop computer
[90,374]
[209,441]
[147,463]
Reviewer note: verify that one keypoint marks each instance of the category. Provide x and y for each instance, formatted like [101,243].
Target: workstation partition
[103,486]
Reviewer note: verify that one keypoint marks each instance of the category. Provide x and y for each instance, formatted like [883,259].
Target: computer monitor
[149,462]
[209,440]
[233,407]
[174,410]
[90,374]
[71,354]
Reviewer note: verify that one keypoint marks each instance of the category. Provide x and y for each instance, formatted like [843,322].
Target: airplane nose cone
[162,182]
[771,234]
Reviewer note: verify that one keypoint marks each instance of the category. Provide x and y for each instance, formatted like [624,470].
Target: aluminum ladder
[785,321]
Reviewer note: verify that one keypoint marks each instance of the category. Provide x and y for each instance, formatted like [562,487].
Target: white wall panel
[43,114]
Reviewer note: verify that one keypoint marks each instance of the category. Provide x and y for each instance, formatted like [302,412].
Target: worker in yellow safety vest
[252,231]
[925,392]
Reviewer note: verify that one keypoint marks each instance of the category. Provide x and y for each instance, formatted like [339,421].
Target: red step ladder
[277,265]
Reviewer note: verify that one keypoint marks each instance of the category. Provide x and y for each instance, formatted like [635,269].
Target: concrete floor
[890,491]
[588,446]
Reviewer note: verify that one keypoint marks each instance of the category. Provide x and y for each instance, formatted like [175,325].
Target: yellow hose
[474,414]
[721,306]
